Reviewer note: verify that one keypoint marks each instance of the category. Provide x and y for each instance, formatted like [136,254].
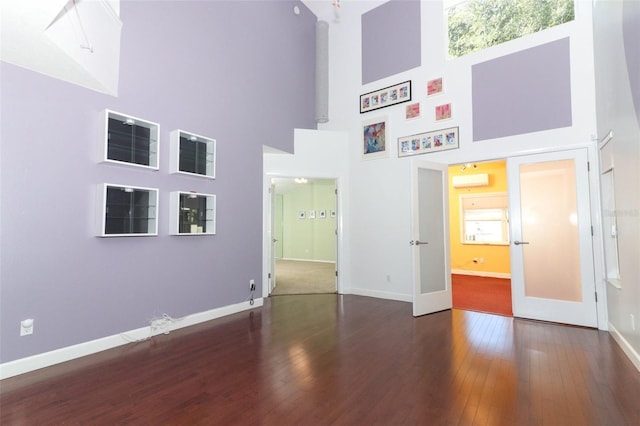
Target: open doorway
[479,237]
[304,236]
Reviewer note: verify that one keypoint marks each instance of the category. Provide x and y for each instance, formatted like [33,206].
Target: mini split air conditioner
[464,181]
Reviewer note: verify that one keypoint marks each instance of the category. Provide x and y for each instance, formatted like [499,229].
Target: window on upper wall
[477,24]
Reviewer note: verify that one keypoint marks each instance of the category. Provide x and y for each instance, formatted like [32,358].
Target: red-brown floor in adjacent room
[482,294]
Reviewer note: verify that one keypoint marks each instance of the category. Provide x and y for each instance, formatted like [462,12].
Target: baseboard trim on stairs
[505,275]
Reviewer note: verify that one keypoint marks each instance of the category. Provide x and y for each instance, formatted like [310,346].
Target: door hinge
[588,166]
[596,297]
[592,230]
[336,272]
[335,191]
[269,275]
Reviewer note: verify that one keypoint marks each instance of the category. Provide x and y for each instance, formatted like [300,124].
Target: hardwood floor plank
[340,360]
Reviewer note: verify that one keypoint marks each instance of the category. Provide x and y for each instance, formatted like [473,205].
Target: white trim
[46,359]
[306,260]
[266,226]
[625,346]
[482,273]
[380,294]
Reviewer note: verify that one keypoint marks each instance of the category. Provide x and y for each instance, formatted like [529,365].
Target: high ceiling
[73,40]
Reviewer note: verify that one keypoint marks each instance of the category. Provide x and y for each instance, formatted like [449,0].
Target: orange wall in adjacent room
[496,257]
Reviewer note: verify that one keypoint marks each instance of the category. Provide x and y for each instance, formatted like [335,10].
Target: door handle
[520,242]
[416,243]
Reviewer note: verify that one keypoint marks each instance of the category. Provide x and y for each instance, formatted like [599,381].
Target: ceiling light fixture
[468,166]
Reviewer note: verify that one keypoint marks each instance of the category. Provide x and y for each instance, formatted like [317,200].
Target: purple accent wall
[631,33]
[523,92]
[390,39]
[240,72]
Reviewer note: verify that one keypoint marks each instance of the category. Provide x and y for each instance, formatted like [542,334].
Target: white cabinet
[127,211]
[192,213]
[192,154]
[130,140]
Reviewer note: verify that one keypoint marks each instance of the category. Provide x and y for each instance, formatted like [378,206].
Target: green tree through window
[478,24]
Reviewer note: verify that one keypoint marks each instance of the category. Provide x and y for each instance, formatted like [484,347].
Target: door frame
[268,254]
[595,210]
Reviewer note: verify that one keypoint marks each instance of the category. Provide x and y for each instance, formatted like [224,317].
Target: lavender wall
[240,72]
[524,92]
[390,39]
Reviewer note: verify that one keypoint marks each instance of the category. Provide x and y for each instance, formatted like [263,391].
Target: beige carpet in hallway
[302,277]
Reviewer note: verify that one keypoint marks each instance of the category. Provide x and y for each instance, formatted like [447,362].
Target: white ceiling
[79,40]
[72,40]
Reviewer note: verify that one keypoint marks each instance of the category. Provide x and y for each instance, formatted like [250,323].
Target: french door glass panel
[430,228]
[431,231]
[549,211]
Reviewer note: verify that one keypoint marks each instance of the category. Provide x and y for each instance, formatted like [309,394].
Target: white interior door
[430,244]
[551,244]
[277,225]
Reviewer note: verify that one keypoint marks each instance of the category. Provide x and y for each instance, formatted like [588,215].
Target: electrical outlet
[252,285]
[26,327]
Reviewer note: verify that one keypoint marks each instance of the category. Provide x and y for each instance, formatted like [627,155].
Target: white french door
[430,243]
[551,244]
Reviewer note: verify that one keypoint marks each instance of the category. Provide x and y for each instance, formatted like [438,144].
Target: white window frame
[497,201]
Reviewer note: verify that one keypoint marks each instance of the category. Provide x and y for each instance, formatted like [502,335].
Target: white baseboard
[46,359]
[482,273]
[306,260]
[625,345]
[380,294]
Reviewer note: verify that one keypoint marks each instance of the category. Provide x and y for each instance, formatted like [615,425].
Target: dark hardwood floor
[482,294]
[345,360]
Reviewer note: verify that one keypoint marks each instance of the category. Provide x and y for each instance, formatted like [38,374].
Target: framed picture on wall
[323,214]
[434,87]
[302,214]
[312,214]
[388,96]
[374,138]
[443,112]
[424,143]
[333,213]
[412,111]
